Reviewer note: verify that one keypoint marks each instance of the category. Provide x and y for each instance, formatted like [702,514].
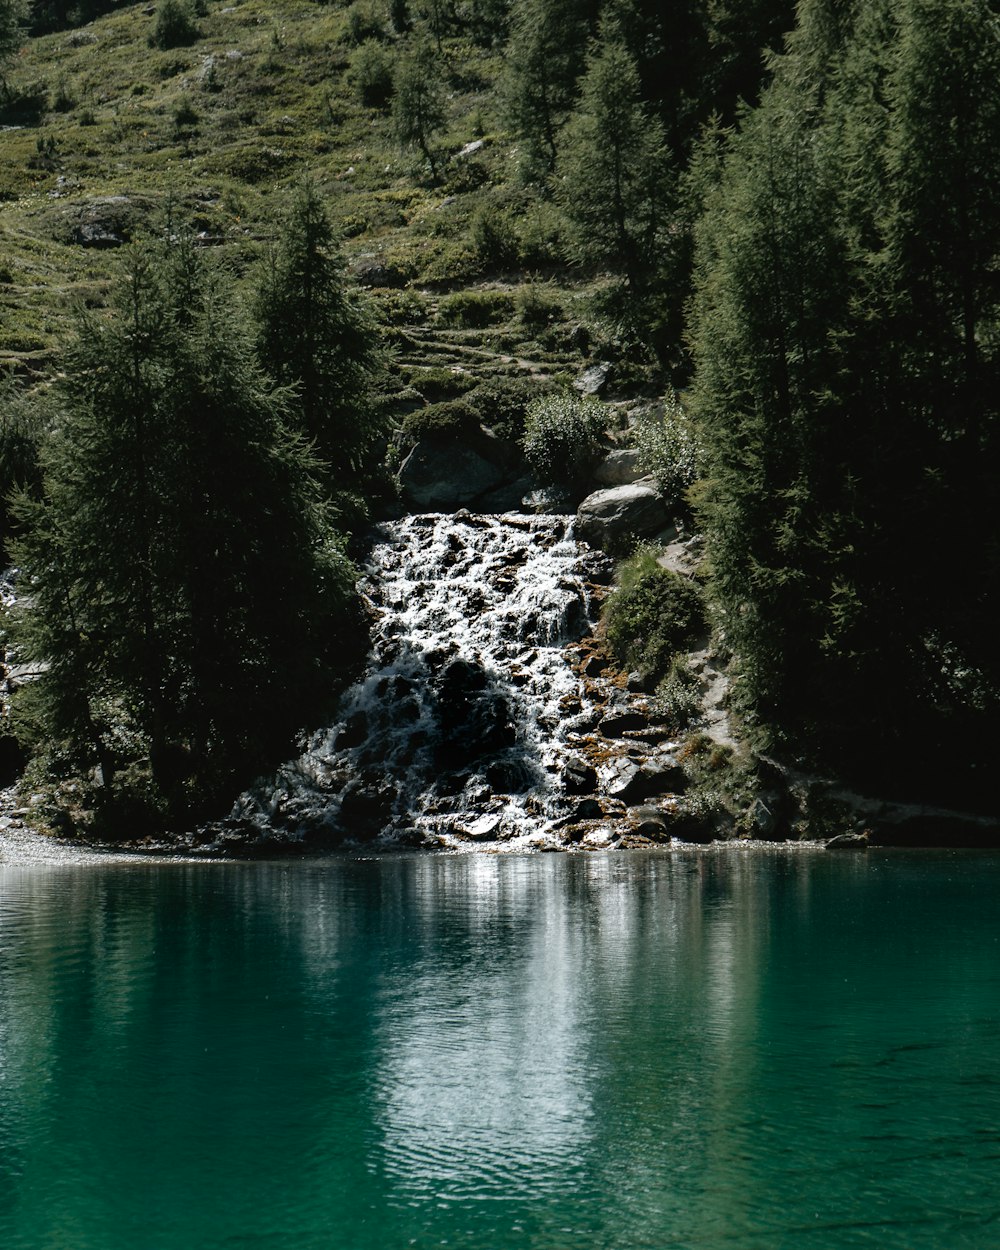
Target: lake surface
[709,1049]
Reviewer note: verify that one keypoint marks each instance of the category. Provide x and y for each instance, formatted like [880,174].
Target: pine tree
[418,102]
[545,57]
[317,335]
[179,577]
[846,380]
[13,16]
[613,170]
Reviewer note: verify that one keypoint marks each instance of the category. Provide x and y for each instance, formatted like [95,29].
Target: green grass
[216,133]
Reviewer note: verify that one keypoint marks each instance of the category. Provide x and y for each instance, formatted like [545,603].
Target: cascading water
[464,723]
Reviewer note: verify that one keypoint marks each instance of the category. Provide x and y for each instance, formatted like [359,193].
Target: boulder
[371,272]
[619,723]
[608,518]
[651,822]
[439,478]
[632,782]
[619,468]
[848,842]
[593,380]
[578,777]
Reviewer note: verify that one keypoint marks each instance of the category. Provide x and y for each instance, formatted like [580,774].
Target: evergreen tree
[845,343]
[418,102]
[317,335]
[545,57]
[613,171]
[179,577]
[13,15]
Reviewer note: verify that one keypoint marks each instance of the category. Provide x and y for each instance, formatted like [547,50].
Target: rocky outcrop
[609,519]
[438,478]
[619,468]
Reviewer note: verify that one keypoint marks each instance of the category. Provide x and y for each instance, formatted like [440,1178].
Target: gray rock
[625,722]
[506,498]
[578,777]
[764,817]
[470,149]
[619,468]
[440,478]
[633,782]
[588,809]
[593,380]
[373,273]
[848,842]
[607,518]
[650,822]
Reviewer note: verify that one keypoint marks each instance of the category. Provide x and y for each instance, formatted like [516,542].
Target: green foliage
[475,310]
[372,73]
[537,308]
[502,404]
[670,450]
[22,421]
[437,383]
[418,103]
[318,335]
[651,617]
[494,236]
[562,436]
[847,374]
[13,16]
[613,169]
[177,512]
[439,423]
[175,26]
[363,22]
[398,308]
[676,703]
[544,60]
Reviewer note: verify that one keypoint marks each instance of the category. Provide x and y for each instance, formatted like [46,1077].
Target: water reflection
[631,1051]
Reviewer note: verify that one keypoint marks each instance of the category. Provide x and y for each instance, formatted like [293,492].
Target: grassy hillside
[107,136]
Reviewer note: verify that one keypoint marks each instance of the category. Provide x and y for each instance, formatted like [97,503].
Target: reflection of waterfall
[459,725]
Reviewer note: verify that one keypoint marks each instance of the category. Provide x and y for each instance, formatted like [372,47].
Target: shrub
[22,420]
[562,438]
[676,701]
[436,383]
[670,449]
[371,74]
[475,310]
[502,404]
[400,308]
[536,307]
[363,23]
[175,25]
[650,619]
[494,236]
[439,423]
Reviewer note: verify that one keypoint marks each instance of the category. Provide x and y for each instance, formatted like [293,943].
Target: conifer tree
[418,102]
[545,57]
[179,577]
[317,335]
[13,15]
[612,172]
[846,377]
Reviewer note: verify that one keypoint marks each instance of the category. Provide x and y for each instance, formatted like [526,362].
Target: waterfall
[467,723]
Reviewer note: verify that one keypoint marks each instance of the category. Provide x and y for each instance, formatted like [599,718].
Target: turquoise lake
[708,1049]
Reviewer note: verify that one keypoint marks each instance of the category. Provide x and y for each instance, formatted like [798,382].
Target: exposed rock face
[632,781]
[371,272]
[593,380]
[608,518]
[438,478]
[619,468]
